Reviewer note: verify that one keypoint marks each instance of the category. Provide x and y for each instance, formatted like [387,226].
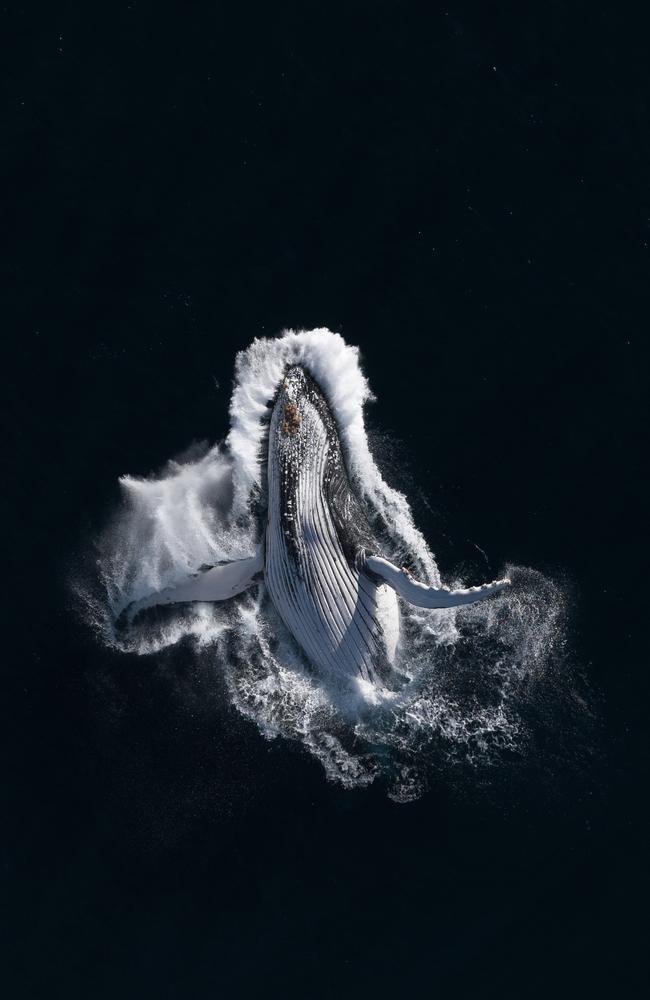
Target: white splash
[469,669]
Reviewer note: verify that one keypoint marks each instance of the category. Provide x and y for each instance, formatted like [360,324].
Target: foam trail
[204,507]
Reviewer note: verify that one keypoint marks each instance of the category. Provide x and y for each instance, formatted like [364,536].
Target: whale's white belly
[336,614]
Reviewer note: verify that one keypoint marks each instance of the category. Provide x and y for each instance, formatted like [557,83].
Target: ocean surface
[456,201]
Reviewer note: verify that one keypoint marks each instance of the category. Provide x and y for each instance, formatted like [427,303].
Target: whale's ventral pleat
[316,529]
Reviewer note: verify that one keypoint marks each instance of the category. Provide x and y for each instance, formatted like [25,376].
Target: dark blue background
[463,192]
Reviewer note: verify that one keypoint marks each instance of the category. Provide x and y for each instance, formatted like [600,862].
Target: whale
[323,567]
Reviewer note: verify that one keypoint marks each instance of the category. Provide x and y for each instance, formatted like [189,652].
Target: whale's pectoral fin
[218,583]
[423,596]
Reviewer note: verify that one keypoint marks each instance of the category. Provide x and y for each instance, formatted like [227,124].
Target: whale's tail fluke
[423,596]
[218,583]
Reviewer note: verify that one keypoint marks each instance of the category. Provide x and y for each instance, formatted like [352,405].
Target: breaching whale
[323,568]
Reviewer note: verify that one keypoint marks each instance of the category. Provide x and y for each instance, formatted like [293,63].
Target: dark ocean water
[462,192]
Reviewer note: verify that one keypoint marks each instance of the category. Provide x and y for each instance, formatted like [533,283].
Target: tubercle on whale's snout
[295,389]
[295,384]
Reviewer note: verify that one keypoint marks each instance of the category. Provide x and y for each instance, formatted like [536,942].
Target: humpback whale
[324,570]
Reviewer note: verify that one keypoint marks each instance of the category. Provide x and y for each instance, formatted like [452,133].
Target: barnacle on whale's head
[291,422]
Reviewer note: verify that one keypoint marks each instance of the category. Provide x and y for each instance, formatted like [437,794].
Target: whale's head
[303,432]
[305,460]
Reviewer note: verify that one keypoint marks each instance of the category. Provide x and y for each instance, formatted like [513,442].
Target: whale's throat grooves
[315,531]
